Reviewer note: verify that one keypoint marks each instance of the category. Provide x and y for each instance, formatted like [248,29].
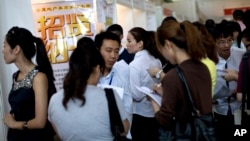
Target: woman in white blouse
[141,43]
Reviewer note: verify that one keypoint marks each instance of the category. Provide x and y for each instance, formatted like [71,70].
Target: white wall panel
[13,13]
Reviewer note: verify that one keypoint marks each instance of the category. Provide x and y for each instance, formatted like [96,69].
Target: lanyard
[111,79]
[227,83]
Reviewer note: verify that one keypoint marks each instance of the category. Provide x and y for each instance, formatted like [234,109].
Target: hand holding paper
[148,92]
[158,89]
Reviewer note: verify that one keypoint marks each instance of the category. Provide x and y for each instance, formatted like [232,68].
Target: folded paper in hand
[118,90]
[156,97]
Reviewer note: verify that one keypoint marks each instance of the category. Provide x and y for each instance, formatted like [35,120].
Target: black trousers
[144,128]
[224,126]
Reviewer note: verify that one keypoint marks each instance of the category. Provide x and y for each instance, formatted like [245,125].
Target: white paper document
[118,90]
[156,97]
[237,54]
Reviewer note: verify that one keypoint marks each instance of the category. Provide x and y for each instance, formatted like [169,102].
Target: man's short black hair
[238,14]
[115,28]
[222,30]
[105,36]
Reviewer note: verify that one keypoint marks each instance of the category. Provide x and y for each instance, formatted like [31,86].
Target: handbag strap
[195,111]
[114,115]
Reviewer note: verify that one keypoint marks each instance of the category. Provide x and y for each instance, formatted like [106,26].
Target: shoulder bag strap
[114,115]
[195,111]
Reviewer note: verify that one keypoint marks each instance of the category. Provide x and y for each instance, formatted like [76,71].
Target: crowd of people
[209,54]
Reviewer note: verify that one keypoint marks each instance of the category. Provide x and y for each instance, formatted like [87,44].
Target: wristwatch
[25,125]
[158,74]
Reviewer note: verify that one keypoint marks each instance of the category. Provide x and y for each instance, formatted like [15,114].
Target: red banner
[229,11]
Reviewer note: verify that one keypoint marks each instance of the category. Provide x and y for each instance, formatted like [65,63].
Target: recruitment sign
[60,25]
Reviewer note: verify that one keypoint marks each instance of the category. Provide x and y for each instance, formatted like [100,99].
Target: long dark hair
[32,46]
[148,39]
[106,35]
[152,43]
[208,42]
[115,28]
[246,34]
[81,64]
[184,35]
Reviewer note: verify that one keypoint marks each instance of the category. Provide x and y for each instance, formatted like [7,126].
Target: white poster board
[151,22]
[125,18]
[2,126]
[105,14]
[12,13]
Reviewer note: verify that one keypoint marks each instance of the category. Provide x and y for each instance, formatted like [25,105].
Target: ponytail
[194,43]
[30,46]
[184,35]
[44,64]
[150,44]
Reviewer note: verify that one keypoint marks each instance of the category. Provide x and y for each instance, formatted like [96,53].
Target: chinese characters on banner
[60,25]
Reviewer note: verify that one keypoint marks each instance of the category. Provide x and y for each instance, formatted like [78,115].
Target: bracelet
[25,125]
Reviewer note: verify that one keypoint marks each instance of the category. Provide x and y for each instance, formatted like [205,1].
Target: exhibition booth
[60,23]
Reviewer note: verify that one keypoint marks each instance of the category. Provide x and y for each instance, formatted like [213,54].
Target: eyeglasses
[224,42]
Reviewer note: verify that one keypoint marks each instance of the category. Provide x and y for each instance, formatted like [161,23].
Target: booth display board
[105,14]
[125,17]
[139,4]
[150,16]
[2,126]
[139,14]
[180,12]
[158,15]
[110,14]
[139,18]
[126,3]
[60,25]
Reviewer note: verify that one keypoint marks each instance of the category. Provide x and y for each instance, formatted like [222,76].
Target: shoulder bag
[200,128]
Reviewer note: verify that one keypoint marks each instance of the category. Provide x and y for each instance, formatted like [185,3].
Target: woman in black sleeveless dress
[31,89]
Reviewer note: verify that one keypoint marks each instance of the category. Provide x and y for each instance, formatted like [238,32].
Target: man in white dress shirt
[225,102]
[115,73]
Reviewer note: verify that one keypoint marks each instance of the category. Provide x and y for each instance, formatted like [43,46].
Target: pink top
[242,25]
